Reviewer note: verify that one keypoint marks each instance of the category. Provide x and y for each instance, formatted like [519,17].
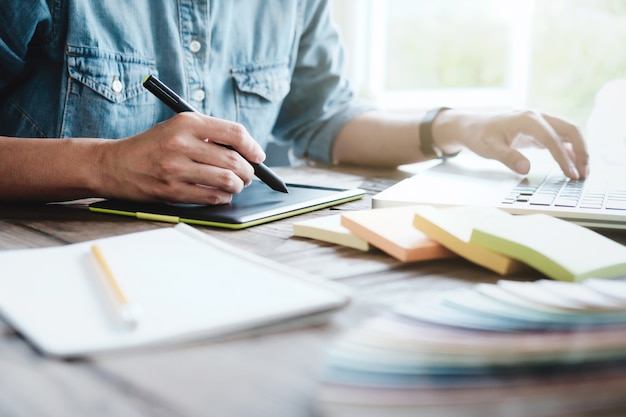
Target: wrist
[99,178]
[442,123]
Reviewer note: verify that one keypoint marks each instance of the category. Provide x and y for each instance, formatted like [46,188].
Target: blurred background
[552,55]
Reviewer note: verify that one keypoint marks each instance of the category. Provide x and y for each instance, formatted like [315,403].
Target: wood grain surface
[272,375]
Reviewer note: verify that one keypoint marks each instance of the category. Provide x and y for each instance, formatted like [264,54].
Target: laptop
[470,180]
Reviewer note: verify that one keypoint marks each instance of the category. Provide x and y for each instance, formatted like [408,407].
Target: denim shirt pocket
[259,93]
[105,97]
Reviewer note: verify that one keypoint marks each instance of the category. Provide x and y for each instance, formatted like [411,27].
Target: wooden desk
[269,375]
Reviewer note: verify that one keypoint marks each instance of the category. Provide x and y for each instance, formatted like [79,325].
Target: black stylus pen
[176,103]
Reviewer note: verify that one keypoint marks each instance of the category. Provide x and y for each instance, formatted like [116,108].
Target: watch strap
[427,145]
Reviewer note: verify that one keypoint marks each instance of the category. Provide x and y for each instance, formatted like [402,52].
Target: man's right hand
[179,160]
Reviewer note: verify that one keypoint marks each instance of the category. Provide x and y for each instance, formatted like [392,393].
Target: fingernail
[573,171]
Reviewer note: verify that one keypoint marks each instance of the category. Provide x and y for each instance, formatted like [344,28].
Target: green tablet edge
[233,226]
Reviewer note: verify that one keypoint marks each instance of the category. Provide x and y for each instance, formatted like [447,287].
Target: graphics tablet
[256,204]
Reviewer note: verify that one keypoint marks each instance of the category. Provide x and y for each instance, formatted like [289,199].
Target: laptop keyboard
[559,191]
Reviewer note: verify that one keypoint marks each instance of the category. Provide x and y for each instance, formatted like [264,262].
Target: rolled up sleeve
[321,100]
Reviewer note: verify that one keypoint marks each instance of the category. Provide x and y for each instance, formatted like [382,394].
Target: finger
[215,187]
[219,167]
[211,154]
[526,141]
[509,156]
[537,126]
[214,177]
[184,157]
[198,194]
[226,133]
[168,189]
[572,134]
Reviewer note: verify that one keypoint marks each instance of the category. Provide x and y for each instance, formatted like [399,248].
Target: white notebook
[187,285]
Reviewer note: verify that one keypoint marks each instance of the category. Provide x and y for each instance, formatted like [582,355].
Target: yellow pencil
[127,311]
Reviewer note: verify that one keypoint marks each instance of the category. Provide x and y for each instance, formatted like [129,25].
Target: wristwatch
[426,135]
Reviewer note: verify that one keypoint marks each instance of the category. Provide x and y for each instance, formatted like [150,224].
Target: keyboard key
[591,205]
[542,200]
[566,202]
[560,191]
[616,205]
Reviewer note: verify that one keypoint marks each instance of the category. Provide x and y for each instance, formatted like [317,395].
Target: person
[70,81]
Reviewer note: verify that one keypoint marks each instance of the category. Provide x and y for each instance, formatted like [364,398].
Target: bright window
[549,54]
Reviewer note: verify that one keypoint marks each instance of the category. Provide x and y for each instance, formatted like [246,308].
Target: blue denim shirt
[74,68]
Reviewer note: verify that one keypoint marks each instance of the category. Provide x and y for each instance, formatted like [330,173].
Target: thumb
[512,158]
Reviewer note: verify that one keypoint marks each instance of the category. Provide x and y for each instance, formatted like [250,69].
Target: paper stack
[187,285]
[391,231]
[329,229]
[506,243]
[543,348]
[453,227]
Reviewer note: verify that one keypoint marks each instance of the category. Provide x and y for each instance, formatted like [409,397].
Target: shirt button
[117,85]
[198,95]
[195,46]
